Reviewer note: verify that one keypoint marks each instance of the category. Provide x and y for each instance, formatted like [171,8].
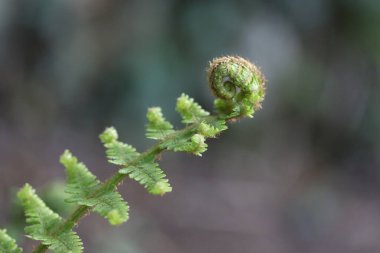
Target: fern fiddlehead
[238,85]
[239,88]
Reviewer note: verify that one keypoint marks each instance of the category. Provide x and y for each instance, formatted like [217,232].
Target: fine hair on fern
[239,88]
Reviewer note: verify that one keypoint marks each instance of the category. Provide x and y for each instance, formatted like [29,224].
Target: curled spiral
[238,85]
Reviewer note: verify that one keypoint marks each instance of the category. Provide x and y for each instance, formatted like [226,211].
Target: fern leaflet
[158,127]
[7,243]
[82,186]
[117,152]
[148,174]
[190,111]
[42,222]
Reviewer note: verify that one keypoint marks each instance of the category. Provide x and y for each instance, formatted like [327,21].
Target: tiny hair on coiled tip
[238,85]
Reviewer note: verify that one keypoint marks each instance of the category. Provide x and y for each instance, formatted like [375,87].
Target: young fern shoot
[239,88]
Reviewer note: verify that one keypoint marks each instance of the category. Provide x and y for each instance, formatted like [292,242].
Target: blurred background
[302,176]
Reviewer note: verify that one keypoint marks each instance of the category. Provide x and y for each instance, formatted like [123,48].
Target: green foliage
[112,206]
[142,169]
[158,127]
[210,130]
[7,243]
[190,142]
[190,111]
[148,174]
[83,186]
[117,152]
[42,222]
[239,86]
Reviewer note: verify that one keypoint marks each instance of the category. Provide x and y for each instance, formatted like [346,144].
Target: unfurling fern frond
[239,87]
[83,189]
[43,223]
[7,243]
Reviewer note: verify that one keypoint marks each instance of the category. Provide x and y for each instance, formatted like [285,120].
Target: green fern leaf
[191,142]
[65,242]
[117,152]
[42,221]
[213,129]
[190,111]
[112,206]
[7,243]
[81,183]
[158,127]
[148,174]
[120,153]
[82,187]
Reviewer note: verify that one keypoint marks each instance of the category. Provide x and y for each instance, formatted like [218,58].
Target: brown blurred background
[302,176]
